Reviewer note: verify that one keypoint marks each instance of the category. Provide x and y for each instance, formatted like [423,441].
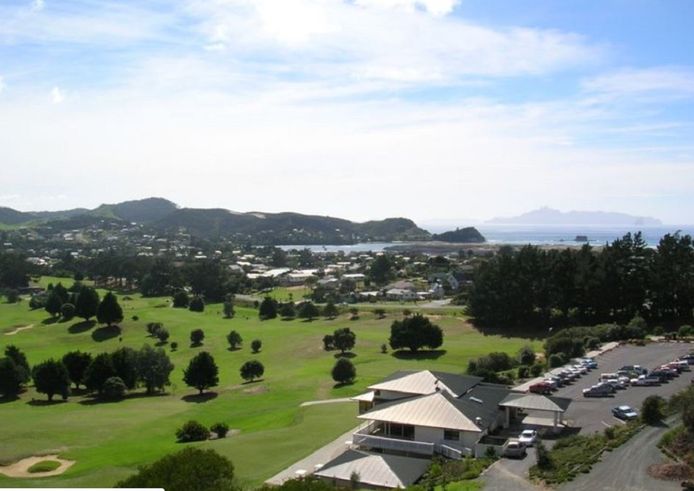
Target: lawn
[109,440]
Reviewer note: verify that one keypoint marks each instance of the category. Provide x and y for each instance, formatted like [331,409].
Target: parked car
[557,380]
[540,388]
[635,368]
[616,383]
[603,390]
[552,383]
[688,358]
[515,449]
[589,363]
[625,413]
[662,375]
[528,437]
[644,381]
[582,369]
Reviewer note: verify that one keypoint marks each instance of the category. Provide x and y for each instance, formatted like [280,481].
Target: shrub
[592,343]
[67,310]
[343,372]
[384,348]
[652,410]
[192,431]
[181,299]
[523,372]
[610,432]
[256,345]
[490,452]
[174,346]
[252,370]
[526,355]
[685,331]
[537,369]
[196,337]
[328,342]
[197,304]
[153,327]
[220,429]
[113,389]
[544,460]
[191,469]
[556,360]
[163,335]
[234,339]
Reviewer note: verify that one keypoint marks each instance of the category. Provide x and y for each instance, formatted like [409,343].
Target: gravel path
[324,401]
[19,329]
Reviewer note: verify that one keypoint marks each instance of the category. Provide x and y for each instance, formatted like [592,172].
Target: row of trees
[587,286]
[80,301]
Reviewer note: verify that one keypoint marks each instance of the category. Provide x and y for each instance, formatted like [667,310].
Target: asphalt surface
[624,469]
[592,414]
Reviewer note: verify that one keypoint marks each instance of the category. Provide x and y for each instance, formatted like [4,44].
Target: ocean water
[558,235]
[527,234]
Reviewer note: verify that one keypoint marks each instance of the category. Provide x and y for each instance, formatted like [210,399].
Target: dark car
[540,388]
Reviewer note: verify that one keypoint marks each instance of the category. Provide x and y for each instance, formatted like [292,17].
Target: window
[400,431]
[453,435]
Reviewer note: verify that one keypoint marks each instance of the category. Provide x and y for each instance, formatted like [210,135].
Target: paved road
[594,413]
[510,474]
[325,401]
[624,469]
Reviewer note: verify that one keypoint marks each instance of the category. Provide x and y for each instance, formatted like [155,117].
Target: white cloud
[2,84]
[57,95]
[37,5]
[670,82]
[434,7]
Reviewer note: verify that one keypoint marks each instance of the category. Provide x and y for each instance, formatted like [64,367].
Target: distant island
[467,235]
[550,216]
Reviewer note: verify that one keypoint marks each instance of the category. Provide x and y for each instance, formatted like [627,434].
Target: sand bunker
[18,329]
[21,468]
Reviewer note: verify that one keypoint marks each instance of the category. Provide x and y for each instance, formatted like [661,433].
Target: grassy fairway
[109,440]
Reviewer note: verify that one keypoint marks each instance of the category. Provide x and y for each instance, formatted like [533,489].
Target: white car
[528,437]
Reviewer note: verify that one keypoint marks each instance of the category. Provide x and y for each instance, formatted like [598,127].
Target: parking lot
[592,414]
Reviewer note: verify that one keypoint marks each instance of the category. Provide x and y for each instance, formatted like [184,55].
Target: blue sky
[432,109]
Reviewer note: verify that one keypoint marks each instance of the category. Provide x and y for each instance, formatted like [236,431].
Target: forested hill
[161,215]
[465,235]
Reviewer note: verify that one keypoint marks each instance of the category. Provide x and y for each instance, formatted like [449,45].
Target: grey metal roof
[536,402]
[390,471]
[426,382]
[482,401]
[437,410]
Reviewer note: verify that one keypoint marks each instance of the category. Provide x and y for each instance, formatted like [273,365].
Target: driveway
[510,474]
[624,469]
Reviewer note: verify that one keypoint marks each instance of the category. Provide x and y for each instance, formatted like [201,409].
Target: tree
[287,310]
[11,378]
[330,310]
[98,371]
[328,342]
[234,339]
[196,337]
[62,293]
[12,295]
[202,372]
[256,344]
[191,469]
[526,355]
[197,304]
[381,313]
[307,310]
[114,389]
[229,309]
[125,364]
[344,372]
[414,333]
[20,359]
[344,339]
[14,270]
[154,327]
[76,363]
[652,410]
[192,431]
[154,368]
[50,378]
[181,300]
[87,303]
[163,335]
[381,270]
[220,429]
[267,309]
[67,310]
[53,303]
[544,459]
[109,311]
[252,370]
